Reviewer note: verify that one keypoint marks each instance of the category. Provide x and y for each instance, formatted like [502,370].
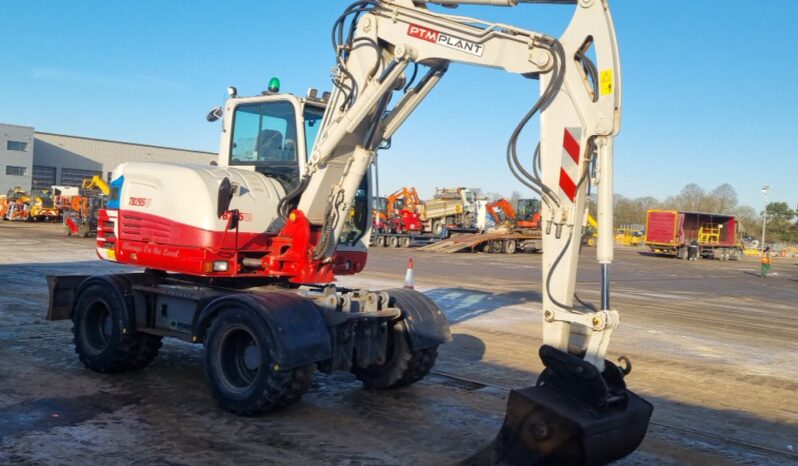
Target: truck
[672,232]
[516,228]
[402,218]
[242,257]
[452,209]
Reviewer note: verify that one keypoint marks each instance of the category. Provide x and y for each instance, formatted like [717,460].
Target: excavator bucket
[575,415]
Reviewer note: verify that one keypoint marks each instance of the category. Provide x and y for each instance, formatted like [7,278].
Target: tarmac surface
[714,348]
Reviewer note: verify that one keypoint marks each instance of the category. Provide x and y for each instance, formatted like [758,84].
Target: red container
[672,228]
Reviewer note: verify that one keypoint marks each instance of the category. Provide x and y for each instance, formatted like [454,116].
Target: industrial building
[31,159]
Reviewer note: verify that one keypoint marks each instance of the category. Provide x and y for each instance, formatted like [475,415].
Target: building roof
[37,133]
[17,126]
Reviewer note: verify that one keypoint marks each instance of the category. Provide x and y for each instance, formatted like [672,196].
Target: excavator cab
[274,134]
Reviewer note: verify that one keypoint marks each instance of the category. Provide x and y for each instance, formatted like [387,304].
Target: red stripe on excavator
[571,146]
[567,184]
[147,240]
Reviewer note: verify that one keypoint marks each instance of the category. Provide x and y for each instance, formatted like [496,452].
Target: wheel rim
[240,358]
[97,327]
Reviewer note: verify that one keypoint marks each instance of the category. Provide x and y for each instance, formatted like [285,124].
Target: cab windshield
[265,136]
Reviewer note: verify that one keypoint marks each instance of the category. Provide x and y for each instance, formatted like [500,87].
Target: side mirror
[226,191]
[214,114]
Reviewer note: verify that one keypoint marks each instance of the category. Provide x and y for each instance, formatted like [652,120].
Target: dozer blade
[573,416]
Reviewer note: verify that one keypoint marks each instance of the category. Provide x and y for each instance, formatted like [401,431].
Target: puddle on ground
[48,413]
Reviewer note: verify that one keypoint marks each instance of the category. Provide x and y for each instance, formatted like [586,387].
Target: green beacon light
[274,85]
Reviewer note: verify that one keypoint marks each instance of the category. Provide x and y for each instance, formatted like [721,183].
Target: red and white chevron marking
[571,152]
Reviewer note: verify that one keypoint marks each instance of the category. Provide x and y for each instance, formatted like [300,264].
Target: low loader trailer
[497,243]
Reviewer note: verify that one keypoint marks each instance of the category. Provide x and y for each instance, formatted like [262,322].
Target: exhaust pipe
[574,415]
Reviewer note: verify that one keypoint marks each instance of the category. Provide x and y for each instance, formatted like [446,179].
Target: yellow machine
[43,209]
[590,234]
[629,235]
[97,183]
[16,205]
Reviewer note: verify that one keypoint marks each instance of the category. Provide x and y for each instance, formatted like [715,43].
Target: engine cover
[175,205]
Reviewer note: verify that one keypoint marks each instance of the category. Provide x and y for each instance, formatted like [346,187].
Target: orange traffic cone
[410,275]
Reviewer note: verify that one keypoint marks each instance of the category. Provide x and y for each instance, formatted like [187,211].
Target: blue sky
[709,92]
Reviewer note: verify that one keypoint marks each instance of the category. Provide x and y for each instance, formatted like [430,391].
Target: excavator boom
[580,402]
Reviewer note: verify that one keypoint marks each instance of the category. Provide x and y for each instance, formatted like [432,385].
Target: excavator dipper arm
[580,105]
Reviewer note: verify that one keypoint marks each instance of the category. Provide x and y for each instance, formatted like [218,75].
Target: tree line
[782,224]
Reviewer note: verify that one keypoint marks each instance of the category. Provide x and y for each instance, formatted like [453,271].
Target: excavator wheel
[403,366]
[99,339]
[240,367]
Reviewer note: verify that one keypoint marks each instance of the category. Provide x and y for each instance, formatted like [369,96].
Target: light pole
[765,190]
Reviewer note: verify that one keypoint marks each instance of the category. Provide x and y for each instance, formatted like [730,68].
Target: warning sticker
[606,82]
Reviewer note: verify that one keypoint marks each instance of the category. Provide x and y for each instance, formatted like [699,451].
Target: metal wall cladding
[98,155]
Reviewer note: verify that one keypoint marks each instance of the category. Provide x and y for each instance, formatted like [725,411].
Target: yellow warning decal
[606,82]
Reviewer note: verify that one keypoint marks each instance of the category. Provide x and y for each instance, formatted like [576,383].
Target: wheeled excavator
[242,257]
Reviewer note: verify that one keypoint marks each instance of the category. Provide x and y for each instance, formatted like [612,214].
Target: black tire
[381,241]
[99,341]
[403,366]
[240,367]
[497,246]
[393,241]
[510,246]
[404,242]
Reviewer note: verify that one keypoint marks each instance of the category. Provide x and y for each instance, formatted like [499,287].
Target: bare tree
[692,198]
[725,198]
[748,219]
[514,197]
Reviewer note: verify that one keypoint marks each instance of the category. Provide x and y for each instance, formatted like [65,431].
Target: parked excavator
[402,211]
[82,217]
[242,257]
[525,218]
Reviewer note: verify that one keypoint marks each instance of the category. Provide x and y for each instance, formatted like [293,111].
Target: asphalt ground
[713,346]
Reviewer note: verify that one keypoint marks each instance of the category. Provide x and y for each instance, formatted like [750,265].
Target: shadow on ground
[461,304]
